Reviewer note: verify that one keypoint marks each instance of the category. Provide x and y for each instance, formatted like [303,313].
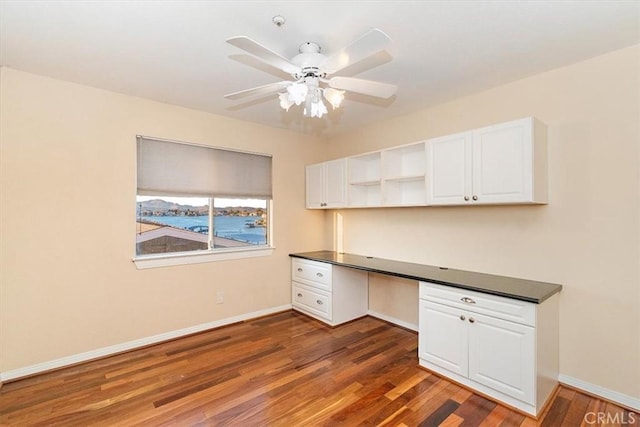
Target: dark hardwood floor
[282,370]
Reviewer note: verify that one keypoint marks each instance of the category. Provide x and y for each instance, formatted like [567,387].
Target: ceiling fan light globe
[297,92]
[285,102]
[334,96]
[318,109]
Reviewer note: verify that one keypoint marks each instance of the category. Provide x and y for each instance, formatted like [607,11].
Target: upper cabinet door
[449,169]
[335,184]
[326,185]
[503,162]
[315,186]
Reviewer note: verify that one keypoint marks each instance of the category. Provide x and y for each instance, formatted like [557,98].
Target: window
[198,200]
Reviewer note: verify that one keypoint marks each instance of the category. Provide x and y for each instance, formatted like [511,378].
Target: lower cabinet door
[315,302]
[443,337]
[501,356]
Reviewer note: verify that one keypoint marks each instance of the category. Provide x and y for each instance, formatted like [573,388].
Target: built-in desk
[497,335]
[520,289]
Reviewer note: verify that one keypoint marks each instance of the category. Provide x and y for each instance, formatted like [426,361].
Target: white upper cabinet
[500,164]
[504,163]
[326,185]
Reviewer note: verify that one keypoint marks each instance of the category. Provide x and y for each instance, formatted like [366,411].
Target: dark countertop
[520,289]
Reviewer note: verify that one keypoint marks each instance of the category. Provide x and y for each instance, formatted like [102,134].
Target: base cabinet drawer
[492,305]
[313,301]
[312,273]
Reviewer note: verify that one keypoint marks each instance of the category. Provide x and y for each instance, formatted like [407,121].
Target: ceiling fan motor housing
[310,61]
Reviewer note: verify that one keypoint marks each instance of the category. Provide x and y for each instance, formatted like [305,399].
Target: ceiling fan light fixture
[298,92]
[310,68]
[309,94]
[315,108]
[334,96]
[285,102]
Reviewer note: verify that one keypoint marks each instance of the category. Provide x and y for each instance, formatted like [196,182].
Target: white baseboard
[393,320]
[613,396]
[119,348]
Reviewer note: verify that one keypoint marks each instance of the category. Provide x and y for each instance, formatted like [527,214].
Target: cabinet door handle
[319,302]
[299,295]
[466,198]
[462,317]
[475,197]
[299,269]
[319,275]
[467,300]
[472,320]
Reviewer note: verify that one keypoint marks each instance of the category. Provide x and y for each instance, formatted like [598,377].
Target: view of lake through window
[184,224]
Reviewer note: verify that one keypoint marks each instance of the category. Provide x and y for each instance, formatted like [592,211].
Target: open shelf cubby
[404,162]
[364,169]
[365,194]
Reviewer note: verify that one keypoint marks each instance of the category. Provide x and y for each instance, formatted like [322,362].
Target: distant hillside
[159,207]
[162,205]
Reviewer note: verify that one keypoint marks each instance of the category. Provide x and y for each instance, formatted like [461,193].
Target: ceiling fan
[310,71]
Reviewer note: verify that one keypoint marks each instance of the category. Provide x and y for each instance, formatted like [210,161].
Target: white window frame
[210,255]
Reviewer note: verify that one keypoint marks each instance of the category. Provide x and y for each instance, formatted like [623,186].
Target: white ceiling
[175,51]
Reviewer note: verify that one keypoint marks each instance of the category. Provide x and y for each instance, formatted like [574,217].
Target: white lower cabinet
[504,348]
[330,293]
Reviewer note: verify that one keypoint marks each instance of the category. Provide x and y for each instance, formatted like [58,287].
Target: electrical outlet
[220,297]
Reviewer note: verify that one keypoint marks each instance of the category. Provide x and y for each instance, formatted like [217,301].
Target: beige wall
[588,236]
[67,222]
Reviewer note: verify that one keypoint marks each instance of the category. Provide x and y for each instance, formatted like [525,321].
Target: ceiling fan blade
[260,90]
[267,55]
[366,87]
[369,43]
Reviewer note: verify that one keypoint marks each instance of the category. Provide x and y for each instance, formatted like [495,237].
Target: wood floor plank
[452,421]
[281,370]
[557,412]
[438,416]
[577,410]
[474,410]
[503,417]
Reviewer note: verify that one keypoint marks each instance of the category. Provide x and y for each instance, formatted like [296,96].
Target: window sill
[167,260]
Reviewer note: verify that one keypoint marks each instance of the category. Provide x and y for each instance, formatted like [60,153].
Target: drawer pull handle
[462,317]
[319,274]
[472,320]
[299,295]
[467,300]
[299,269]
[319,302]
